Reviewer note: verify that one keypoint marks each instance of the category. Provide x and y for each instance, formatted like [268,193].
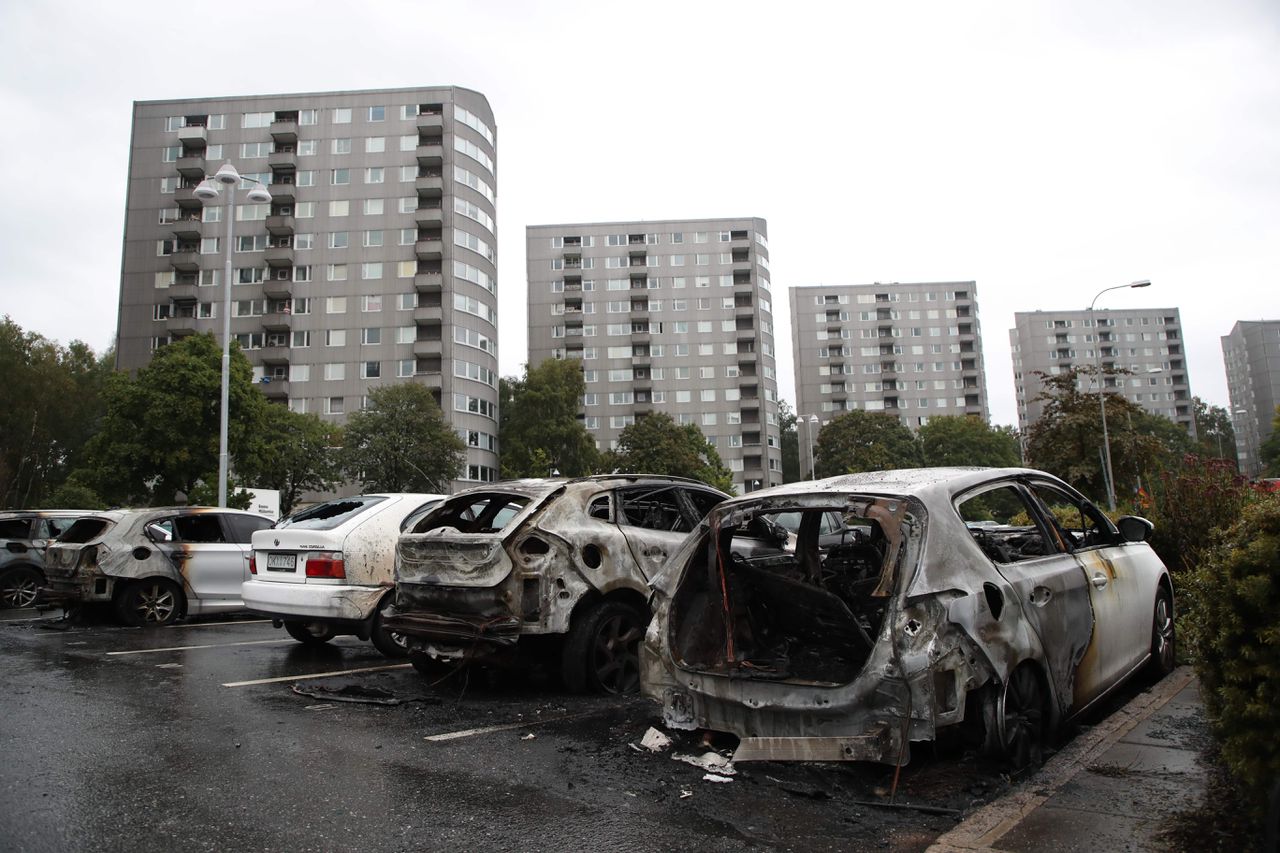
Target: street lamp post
[813,462]
[207,191]
[1102,396]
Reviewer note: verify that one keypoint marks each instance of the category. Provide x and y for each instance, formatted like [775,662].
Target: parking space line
[24,619]
[313,675]
[203,646]
[221,624]
[506,727]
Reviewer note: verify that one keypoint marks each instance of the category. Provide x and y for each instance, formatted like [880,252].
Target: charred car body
[154,565]
[543,558]
[24,535]
[997,598]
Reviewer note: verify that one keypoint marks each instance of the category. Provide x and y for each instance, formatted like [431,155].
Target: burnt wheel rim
[155,603]
[1022,719]
[1162,633]
[616,653]
[20,591]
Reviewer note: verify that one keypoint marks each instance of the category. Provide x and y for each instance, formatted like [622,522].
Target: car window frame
[1030,505]
[1085,506]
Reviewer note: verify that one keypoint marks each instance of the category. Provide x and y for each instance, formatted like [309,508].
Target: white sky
[1045,150]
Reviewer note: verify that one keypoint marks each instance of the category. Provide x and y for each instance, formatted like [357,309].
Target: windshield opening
[330,514]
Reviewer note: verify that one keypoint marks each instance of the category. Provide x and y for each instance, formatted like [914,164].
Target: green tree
[1067,438]
[1269,452]
[865,441]
[50,405]
[791,470]
[1216,435]
[401,442]
[655,444]
[159,437]
[539,429]
[959,440]
[293,453]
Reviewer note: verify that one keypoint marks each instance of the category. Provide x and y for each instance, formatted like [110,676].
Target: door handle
[1099,580]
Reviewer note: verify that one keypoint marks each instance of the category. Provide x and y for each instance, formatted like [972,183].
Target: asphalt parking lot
[194,737]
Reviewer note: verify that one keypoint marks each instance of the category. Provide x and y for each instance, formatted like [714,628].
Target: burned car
[999,601]
[24,535]
[154,565]
[535,560]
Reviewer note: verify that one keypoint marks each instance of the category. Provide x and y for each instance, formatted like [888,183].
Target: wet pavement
[193,737]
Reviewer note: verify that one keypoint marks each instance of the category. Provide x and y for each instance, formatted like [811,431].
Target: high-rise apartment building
[911,350]
[374,263]
[1252,357]
[1147,342]
[673,316]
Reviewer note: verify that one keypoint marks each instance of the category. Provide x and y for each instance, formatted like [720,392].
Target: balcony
[271,355]
[278,256]
[185,261]
[274,389]
[425,315]
[431,124]
[428,282]
[193,136]
[430,186]
[185,197]
[429,250]
[429,217]
[277,321]
[428,349]
[281,192]
[283,161]
[285,131]
[431,152]
[280,226]
[192,166]
[188,229]
[181,326]
[277,288]
[182,293]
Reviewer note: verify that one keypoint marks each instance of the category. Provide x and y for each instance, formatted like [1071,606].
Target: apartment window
[335,338]
[373,206]
[305,178]
[304,210]
[342,115]
[406,301]
[333,405]
[300,373]
[335,372]
[408,236]
[375,145]
[406,334]
[257,119]
[339,207]
[373,239]
[409,143]
[306,147]
[371,370]
[339,177]
[371,271]
[374,175]
[371,336]
[339,239]
[304,242]
[251,150]
[408,204]
[408,173]
[307,117]
[406,367]
[250,275]
[341,146]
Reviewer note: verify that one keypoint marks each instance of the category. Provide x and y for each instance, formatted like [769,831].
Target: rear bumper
[68,592]
[313,602]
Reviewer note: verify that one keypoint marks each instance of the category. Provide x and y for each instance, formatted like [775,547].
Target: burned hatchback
[562,564]
[999,601]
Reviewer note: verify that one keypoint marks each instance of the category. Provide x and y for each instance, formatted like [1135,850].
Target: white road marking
[204,646]
[25,619]
[510,726]
[307,677]
[220,624]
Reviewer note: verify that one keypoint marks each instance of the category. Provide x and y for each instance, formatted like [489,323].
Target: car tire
[391,644]
[150,602]
[602,650]
[1164,648]
[19,587]
[1017,719]
[311,633]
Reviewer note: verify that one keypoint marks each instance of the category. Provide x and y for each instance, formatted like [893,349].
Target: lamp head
[206,191]
[1144,283]
[259,195]
[227,175]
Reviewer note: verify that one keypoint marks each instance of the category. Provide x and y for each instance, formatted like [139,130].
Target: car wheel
[390,643]
[154,601]
[310,633]
[19,587]
[1164,651]
[602,651]
[1018,728]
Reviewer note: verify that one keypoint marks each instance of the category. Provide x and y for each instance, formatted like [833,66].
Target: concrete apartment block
[1252,357]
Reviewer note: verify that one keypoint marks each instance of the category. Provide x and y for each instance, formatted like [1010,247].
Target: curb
[982,829]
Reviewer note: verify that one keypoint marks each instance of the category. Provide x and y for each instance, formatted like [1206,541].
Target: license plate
[282,562]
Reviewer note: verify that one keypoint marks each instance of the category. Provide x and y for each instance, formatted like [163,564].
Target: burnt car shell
[854,652]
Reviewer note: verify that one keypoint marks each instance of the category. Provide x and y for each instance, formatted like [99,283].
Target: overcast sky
[1045,150]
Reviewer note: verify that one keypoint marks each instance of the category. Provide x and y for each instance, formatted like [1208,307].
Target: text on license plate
[282,562]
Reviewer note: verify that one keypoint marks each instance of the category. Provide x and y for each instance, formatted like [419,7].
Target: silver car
[154,565]
[1000,600]
[24,535]
[562,562]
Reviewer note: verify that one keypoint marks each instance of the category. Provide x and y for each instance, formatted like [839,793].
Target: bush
[1235,638]
[1189,504]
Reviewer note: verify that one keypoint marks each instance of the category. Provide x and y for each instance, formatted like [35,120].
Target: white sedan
[327,570]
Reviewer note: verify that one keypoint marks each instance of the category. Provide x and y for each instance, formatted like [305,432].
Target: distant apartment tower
[374,263]
[672,316]
[1145,341]
[1252,357]
[910,350]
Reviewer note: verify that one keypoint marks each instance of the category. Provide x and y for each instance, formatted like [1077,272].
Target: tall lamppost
[1102,395]
[208,191]
[813,462]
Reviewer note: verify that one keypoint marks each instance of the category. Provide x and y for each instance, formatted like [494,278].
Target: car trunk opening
[788,594]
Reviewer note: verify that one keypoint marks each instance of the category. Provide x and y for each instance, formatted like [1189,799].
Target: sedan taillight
[253,564]
[325,564]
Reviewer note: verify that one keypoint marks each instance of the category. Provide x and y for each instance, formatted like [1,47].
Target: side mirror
[1135,529]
